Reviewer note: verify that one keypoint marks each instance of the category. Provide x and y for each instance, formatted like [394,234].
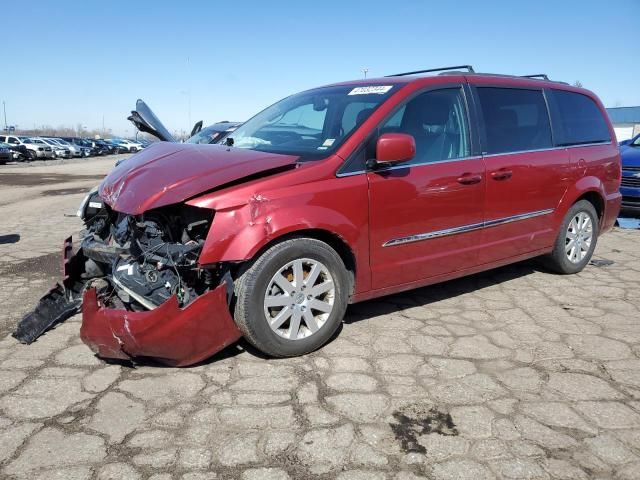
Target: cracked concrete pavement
[513,373]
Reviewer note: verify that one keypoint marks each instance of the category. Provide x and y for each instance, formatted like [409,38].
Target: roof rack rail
[537,75]
[469,68]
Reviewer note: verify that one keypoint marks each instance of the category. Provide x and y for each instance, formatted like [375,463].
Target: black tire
[558,261]
[252,284]
[32,155]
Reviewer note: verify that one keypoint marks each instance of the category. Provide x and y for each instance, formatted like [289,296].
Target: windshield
[311,124]
[636,142]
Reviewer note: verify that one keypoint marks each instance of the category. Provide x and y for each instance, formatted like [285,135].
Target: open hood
[167,173]
[146,121]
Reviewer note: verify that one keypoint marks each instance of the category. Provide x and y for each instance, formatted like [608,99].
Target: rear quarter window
[577,119]
[515,120]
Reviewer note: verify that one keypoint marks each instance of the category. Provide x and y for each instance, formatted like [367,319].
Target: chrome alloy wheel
[299,299]
[579,237]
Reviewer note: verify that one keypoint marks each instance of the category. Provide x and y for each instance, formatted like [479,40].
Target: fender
[242,226]
[574,192]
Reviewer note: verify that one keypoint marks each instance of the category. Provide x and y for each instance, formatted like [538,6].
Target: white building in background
[626,121]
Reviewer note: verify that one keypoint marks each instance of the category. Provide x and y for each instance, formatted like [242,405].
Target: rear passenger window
[515,120]
[577,119]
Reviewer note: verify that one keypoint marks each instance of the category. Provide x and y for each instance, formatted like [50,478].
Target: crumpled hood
[630,156]
[166,173]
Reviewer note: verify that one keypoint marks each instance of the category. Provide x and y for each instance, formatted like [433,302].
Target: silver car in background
[42,149]
[59,151]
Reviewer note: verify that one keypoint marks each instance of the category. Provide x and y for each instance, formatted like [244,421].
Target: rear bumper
[173,336]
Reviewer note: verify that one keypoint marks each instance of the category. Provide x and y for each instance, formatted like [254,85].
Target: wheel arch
[587,188]
[595,198]
[332,239]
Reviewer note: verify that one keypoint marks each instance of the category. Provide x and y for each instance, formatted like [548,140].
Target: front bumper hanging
[169,334]
[173,336]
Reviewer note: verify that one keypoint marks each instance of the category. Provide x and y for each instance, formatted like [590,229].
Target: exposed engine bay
[139,262]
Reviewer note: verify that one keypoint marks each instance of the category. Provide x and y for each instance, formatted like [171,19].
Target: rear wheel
[577,239]
[291,300]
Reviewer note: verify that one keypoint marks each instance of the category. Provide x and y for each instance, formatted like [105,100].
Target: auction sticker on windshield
[380,89]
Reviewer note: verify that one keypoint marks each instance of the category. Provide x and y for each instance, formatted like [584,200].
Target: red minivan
[333,196]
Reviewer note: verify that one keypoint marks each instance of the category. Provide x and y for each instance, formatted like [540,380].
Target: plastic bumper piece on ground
[173,336]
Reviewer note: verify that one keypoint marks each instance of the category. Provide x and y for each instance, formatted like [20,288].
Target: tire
[250,312]
[558,261]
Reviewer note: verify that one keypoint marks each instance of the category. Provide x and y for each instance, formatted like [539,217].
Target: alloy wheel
[299,299]
[578,238]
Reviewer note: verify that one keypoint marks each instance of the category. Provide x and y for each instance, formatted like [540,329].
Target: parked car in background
[6,154]
[42,149]
[32,151]
[630,185]
[106,148]
[119,148]
[18,150]
[83,147]
[130,145]
[76,150]
[628,141]
[59,151]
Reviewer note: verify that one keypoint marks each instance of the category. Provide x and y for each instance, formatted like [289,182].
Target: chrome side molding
[465,228]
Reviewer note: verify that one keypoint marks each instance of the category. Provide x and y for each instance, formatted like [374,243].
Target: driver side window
[437,120]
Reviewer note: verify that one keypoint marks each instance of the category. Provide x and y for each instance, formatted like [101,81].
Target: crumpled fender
[245,221]
[173,336]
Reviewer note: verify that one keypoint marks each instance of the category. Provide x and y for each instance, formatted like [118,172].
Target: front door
[426,214]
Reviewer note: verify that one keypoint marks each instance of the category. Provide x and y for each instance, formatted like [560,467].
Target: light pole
[365,71]
[4,107]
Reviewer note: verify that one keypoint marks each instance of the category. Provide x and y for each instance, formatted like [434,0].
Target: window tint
[577,119]
[515,120]
[355,113]
[437,122]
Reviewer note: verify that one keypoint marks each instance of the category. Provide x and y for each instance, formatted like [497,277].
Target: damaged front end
[140,287]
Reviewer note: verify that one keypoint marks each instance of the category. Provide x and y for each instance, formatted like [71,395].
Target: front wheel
[292,299]
[576,241]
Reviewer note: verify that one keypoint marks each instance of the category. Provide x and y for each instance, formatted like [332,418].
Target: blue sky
[74,62]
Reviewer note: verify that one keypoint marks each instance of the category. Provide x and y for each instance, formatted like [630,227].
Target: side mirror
[395,147]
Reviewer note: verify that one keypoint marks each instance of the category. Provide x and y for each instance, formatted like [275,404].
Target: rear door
[526,175]
[426,214]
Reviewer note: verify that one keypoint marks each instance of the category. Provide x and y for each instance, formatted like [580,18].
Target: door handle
[501,174]
[468,179]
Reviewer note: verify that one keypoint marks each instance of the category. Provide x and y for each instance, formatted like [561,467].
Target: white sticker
[328,142]
[95,205]
[380,89]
